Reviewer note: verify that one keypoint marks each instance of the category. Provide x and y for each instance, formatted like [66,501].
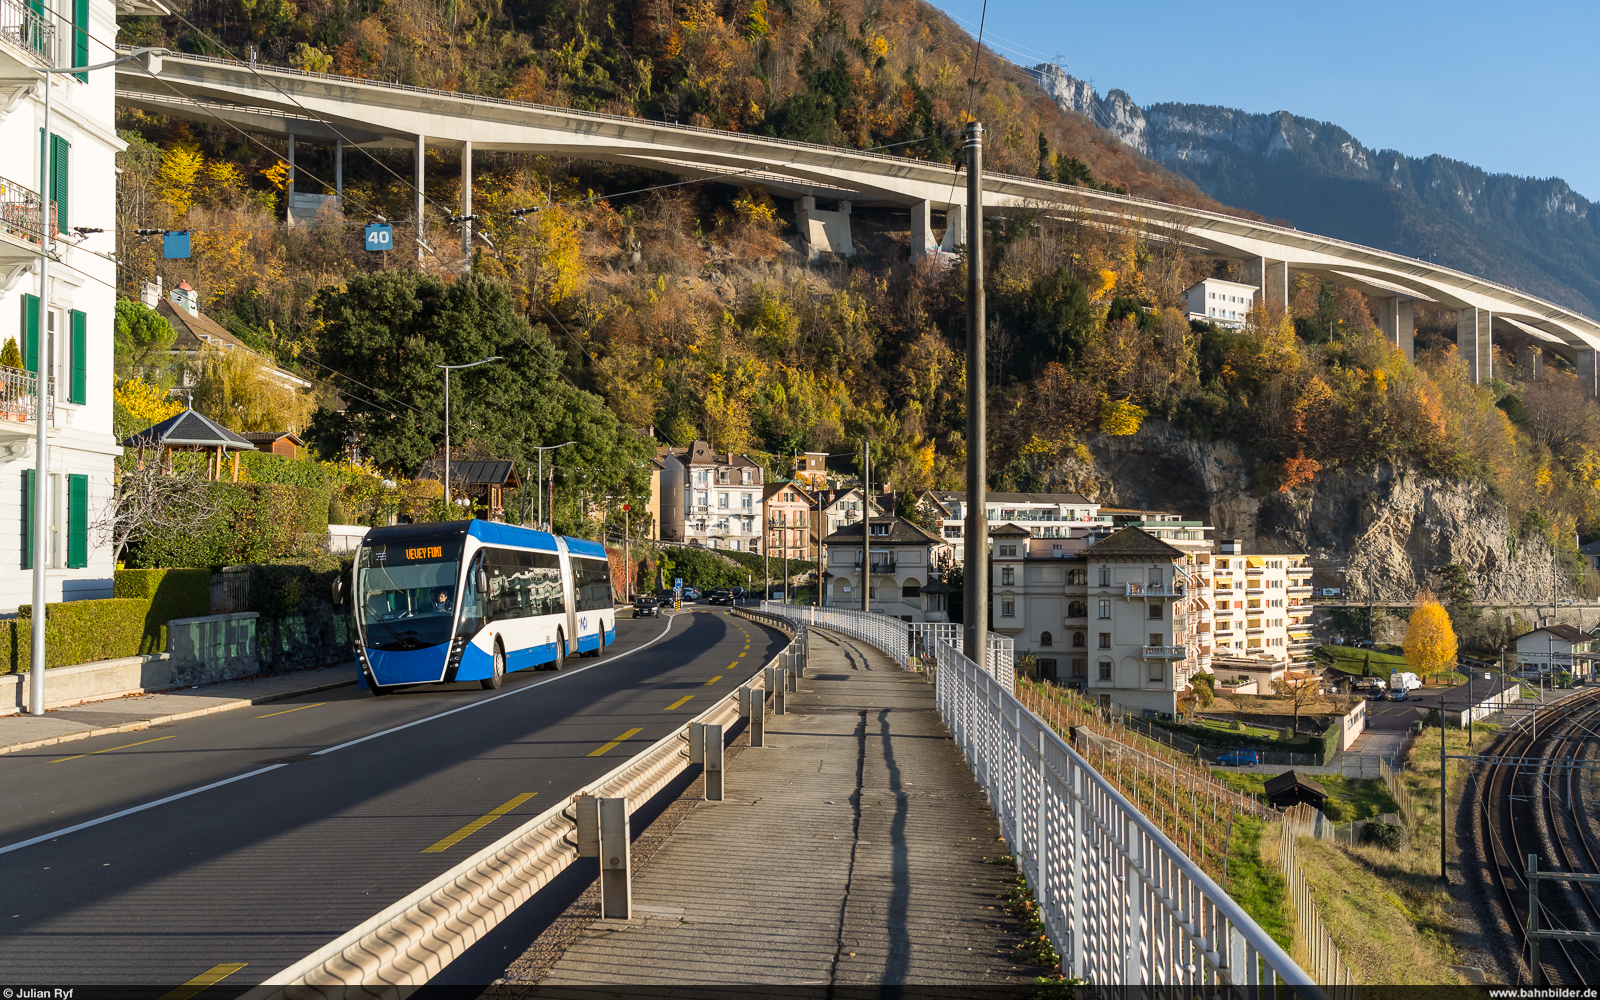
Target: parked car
[646,607]
[722,596]
[691,593]
[1399,694]
[1366,644]
[1239,758]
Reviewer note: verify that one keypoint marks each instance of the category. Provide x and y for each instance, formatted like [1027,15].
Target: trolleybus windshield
[406,592]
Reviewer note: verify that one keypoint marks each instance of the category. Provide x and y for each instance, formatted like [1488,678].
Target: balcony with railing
[1165,652]
[19,404]
[20,222]
[1300,591]
[27,31]
[1154,590]
[885,567]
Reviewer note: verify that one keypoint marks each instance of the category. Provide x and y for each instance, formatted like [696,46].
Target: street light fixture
[151,57]
[447,370]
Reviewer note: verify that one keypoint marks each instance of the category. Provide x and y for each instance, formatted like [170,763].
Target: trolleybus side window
[591,583]
[473,601]
[522,584]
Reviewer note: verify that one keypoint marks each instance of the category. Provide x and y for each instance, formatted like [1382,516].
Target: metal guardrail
[1121,903]
[411,941]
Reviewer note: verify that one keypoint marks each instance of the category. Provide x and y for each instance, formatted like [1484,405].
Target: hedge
[258,521]
[174,593]
[81,632]
[265,467]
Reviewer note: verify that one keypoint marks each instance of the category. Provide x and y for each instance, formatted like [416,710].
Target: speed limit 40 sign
[380,236]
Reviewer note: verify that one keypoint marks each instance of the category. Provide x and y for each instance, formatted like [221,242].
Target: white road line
[263,770]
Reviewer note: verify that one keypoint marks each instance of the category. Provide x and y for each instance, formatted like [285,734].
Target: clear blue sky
[1509,87]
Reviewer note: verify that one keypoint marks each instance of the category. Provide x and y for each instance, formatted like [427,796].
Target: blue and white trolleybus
[475,600]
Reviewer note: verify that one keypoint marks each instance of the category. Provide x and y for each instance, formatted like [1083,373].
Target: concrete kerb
[176,716]
[409,942]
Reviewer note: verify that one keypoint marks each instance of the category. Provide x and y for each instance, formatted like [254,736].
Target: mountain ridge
[1537,234]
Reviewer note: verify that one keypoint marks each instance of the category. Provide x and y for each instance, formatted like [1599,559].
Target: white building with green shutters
[64,332]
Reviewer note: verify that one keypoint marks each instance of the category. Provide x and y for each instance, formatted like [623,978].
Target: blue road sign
[175,246]
[380,236]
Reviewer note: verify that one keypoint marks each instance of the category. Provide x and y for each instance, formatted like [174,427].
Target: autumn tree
[1430,644]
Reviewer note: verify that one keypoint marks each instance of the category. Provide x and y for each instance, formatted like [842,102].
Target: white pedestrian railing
[1122,904]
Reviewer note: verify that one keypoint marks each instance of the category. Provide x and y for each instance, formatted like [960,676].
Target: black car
[722,596]
[738,593]
[646,607]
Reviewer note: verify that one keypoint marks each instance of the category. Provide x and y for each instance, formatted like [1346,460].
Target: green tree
[10,356]
[142,339]
[1055,320]
[391,330]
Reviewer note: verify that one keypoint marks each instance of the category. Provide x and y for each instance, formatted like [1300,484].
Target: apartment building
[1117,618]
[1220,302]
[711,499]
[838,507]
[811,469]
[64,331]
[1262,606]
[789,507]
[905,558]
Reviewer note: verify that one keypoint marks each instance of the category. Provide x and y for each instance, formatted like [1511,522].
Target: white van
[1404,681]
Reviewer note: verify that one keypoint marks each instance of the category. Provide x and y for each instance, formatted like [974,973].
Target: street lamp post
[41,379]
[447,370]
[541,449]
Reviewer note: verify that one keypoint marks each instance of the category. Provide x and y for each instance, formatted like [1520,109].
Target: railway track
[1533,805]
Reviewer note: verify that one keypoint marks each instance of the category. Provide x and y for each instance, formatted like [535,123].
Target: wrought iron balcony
[20,208]
[28,29]
[19,399]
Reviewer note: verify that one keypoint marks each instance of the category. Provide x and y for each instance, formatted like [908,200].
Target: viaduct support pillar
[466,201]
[1397,320]
[338,171]
[1588,360]
[922,230]
[1272,277]
[290,180]
[955,228]
[1475,342]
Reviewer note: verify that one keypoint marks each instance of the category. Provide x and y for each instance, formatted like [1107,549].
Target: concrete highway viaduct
[334,110]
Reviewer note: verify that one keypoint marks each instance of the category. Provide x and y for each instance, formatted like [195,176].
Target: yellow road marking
[288,710]
[124,746]
[478,824]
[741,654]
[630,734]
[733,665]
[713,680]
[680,701]
[210,977]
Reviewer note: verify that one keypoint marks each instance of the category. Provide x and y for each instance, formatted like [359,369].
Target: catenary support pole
[416,184]
[976,573]
[466,201]
[866,526]
[42,400]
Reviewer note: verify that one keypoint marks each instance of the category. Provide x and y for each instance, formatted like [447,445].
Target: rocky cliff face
[1379,533]
[1534,233]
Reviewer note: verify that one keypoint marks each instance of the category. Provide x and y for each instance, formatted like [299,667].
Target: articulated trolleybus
[473,600]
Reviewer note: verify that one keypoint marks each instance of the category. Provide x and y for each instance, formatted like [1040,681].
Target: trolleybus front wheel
[499,678]
[561,651]
[378,690]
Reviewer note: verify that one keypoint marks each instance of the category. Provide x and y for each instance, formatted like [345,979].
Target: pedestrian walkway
[851,849]
[115,715]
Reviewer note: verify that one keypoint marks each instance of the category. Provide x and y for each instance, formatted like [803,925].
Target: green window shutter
[27,519]
[77,522]
[60,178]
[80,37]
[80,357]
[30,333]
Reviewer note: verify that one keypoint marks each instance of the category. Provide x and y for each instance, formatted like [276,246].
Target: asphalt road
[257,836]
